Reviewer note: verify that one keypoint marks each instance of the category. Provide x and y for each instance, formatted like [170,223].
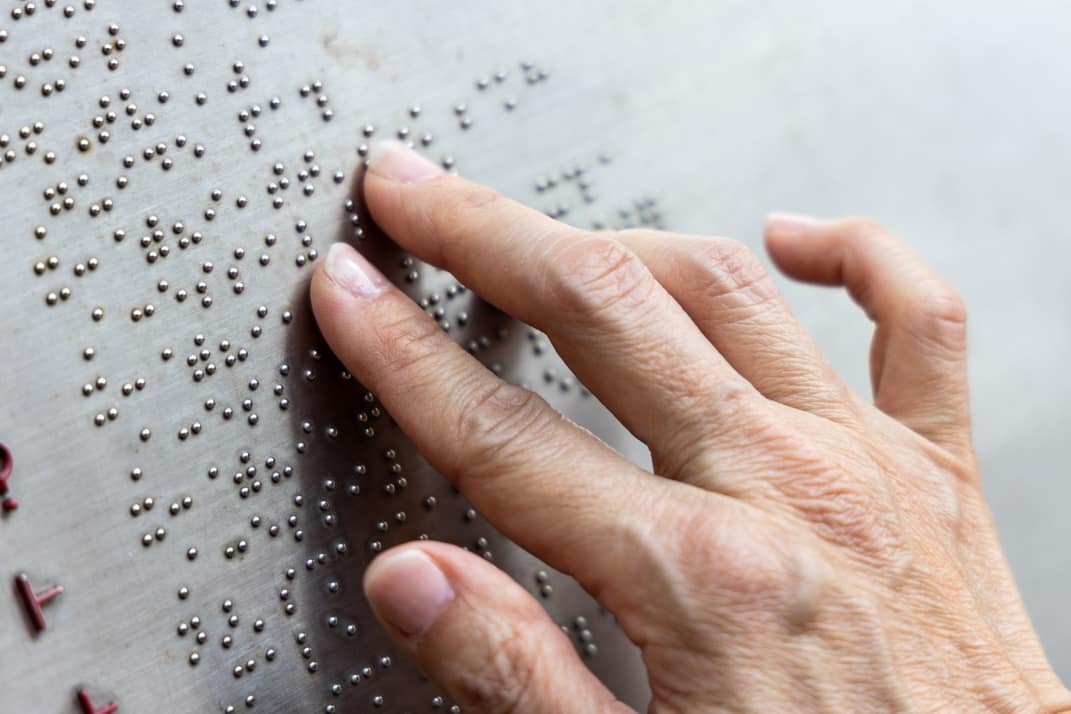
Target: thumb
[478,634]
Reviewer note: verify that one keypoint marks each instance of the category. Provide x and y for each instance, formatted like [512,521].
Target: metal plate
[190,464]
[937,119]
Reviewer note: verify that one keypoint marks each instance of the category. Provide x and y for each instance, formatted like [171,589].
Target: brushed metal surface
[939,120]
[250,493]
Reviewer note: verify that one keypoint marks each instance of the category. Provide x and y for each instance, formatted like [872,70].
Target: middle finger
[615,325]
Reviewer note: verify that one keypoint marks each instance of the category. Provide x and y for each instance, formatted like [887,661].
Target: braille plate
[188,462]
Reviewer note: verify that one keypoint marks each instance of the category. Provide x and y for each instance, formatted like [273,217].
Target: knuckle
[729,268]
[840,510]
[735,400]
[729,402]
[944,305]
[493,419]
[749,570]
[940,314]
[591,274]
[843,498]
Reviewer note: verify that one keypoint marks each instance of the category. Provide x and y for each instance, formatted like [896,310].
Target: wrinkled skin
[796,548]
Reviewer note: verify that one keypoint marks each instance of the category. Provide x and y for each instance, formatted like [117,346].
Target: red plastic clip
[33,601]
[7,464]
[87,704]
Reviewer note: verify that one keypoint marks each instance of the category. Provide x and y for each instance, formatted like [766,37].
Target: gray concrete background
[950,123]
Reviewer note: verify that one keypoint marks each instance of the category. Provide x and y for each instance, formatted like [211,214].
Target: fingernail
[790,224]
[349,269]
[407,590]
[397,162]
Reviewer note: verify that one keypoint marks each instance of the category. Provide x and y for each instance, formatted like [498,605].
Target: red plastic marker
[6,466]
[87,704]
[33,601]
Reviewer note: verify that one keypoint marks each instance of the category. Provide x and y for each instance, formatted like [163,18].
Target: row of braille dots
[27,10]
[404,133]
[202,367]
[146,505]
[577,175]
[585,639]
[394,486]
[532,74]
[61,191]
[100,383]
[82,143]
[542,578]
[102,122]
[250,473]
[29,147]
[461,109]
[433,303]
[122,181]
[198,374]
[379,700]
[316,87]
[251,9]
[333,622]
[242,81]
[306,176]
[52,262]
[200,637]
[566,382]
[46,54]
[364,417]
[368,672]
[641,213]
[437,702]
[468,516]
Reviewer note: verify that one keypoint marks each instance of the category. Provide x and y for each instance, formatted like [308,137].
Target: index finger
[542,481]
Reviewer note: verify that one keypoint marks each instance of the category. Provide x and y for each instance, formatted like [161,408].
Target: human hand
[799,548]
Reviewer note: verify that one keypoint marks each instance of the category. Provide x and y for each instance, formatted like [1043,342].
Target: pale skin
[795,547]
